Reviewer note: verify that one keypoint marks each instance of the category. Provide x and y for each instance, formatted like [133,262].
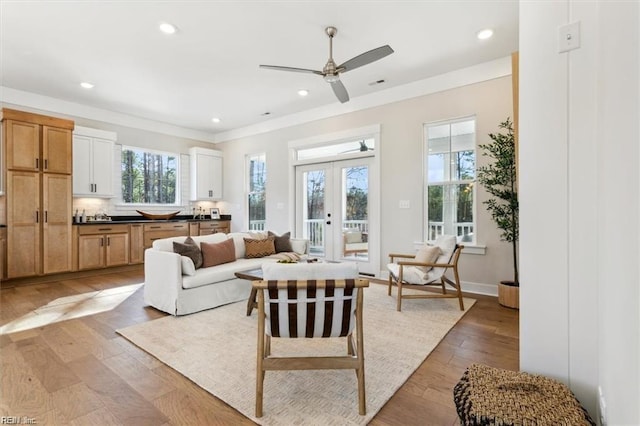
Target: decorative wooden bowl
[164,216]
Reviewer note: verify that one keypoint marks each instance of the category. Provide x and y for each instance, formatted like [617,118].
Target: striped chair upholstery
[310,309]
[303,309]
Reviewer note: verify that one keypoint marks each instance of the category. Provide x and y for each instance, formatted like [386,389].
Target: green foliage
[148,178]
[500,181]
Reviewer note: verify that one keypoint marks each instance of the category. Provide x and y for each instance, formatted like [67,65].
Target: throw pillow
[259,248]
[427,254]
[218,253]
[190,249]
[282,243]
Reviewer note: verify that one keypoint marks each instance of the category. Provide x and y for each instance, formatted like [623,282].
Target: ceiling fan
[331,72]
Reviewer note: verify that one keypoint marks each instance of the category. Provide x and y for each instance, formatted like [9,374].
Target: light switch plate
[405,204]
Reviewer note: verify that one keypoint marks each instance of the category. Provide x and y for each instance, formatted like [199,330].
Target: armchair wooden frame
[354,358]
[441,281]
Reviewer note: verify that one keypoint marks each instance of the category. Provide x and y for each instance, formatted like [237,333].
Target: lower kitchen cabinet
[101,246]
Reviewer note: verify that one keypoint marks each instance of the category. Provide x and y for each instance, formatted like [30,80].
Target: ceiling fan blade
[366,58]
[340,91]
[279,68]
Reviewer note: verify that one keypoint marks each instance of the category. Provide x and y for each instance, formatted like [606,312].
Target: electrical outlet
[602,407]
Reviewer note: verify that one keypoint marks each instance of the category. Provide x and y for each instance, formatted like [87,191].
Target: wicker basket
[491,396]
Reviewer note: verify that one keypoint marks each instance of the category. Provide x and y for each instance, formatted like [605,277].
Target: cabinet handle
[46,216]
[104,229]
[210,193]
[46,164]
[177,226]
[101,241]
[95,187]
[155,227]
[37,163]
[37,217]
[108,241]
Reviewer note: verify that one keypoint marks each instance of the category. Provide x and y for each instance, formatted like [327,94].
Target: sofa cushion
[217,253]
[188,268]
[238,241]
[299,245]
[259,248]
[282,243]
[190,249]
[220,273]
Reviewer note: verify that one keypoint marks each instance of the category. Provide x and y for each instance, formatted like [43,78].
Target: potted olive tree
[499,180]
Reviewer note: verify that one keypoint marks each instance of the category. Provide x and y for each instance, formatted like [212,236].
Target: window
[450,177]
[257,180]
[337,149]
[149,177]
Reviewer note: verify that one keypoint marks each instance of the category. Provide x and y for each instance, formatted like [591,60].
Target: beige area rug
[216,349]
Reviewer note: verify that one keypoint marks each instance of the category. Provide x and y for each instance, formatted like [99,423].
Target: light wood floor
[80,372]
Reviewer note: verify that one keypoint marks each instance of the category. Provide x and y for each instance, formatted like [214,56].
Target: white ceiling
[209,68]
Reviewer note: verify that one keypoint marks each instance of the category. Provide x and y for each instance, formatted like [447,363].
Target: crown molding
[458,78]
[73,109]
[478,73]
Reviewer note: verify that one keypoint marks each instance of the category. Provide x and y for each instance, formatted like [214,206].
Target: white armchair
[426,268]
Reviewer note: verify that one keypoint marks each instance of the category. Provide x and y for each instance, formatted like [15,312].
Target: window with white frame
[256,185]
[450,162]
[149,177]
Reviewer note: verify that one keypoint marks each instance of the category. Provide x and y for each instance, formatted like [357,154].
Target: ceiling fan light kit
[331,72]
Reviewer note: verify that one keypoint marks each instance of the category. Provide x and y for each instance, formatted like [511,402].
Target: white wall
[401,151]
[579,188]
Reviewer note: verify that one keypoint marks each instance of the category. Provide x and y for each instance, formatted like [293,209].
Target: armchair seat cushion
[410,274]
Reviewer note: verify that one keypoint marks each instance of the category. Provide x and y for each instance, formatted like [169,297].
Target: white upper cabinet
[206,174]
[93,152]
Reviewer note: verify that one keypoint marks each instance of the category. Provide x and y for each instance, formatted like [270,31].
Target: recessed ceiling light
[86,85]
[373,83]
[303,92]
[167,28]
[266,113]
[215,119]
[485,34]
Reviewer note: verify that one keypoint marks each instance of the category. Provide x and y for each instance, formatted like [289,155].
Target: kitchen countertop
[138,219]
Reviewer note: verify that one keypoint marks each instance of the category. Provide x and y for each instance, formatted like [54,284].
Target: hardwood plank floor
[80,372]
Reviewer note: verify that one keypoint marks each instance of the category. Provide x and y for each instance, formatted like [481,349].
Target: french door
[337,211]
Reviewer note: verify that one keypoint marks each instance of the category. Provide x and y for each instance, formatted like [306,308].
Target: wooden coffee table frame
[251,275]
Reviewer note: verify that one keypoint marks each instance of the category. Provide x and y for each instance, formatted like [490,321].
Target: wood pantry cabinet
[38,193]
[102,246]
[93,162]
[206,174]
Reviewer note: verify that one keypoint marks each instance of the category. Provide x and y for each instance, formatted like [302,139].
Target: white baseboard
[467,286]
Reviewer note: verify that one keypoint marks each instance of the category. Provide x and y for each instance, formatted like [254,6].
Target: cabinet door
[117,249]
[136,243]
[23,224]
[82,183]
[91,251]
[23,145]
[56,223]
[56,150]
[102,164]
[208,177]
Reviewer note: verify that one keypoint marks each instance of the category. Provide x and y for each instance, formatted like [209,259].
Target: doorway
[338,212]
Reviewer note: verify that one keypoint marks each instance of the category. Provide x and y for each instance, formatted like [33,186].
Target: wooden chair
[420,275]
[308,315]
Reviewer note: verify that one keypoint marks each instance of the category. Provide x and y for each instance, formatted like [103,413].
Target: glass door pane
[314,209]
[355,212]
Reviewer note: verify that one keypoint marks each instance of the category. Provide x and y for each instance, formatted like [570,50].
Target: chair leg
[260,354]
[362,401]
[390,284]
[399,301]
[458,288]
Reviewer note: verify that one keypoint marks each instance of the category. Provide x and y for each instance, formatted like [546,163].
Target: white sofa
[170,290]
